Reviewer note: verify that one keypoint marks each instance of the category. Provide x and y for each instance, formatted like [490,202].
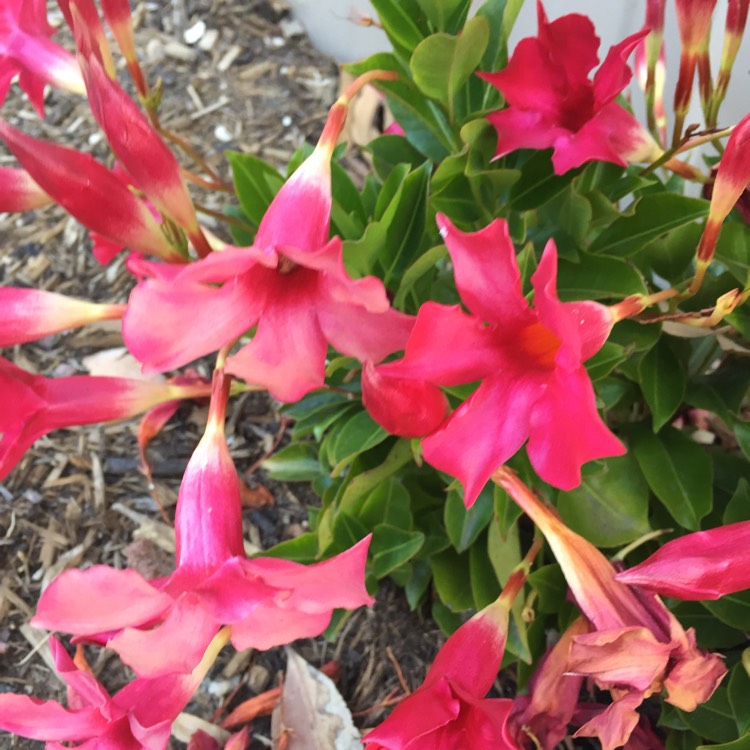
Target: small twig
[399,673]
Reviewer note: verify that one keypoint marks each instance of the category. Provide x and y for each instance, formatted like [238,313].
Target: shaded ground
[77,497]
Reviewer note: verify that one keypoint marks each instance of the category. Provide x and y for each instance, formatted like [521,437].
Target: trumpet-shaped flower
[19,192]
[138,146]
[702,565]
[27,51]
[164,625]
[31,314]
[534,385]
[449,710]
[635,647]
[291,284]
[553,104]
[732,178]
[91,193]
[35,405]
[138,717]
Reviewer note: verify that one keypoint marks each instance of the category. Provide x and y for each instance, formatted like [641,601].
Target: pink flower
[553,104]
[702,565]
[117,13]
[449,710]
[138,717]
[91,193]
[732,178]
[26,51]
[164,625]
[635,647]
[529,361]
[35,405]
[19,192]
[694,23]
[291,284]
[31,314]
[140,149]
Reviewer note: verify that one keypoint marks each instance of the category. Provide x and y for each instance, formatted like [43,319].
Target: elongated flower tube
[694,23]
[702,565]
[652,81]
[544,712]
[553,104]
[31,314]
[732,178]
[140,149]
[120,21]
[96,37]
[651,68]
[90,193]
[291,284]
[164,625]
[35,405]
[529,361]
[735,28]
[19,192]
[138,717]
[635,647]
[27,51]
[449,709]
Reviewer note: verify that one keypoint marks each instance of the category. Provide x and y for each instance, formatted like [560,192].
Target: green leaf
[441,12]
[416,587]
[713,719]
[605,360]
[504,551]
[302,549]
[538,182]
[442,63]
[738,691]
[387,503]
[597,277]
[742,433]
[256,183]
[507,512]
[297,462]
[389,151]
[710,633]
[398,456]
[654,215]
[347,531]
[398,24]
[423,265]
[358,434]
[738,507]
[485,587]
[610,507]
[663,382]
[463,524]
[450,573]
[733,250]
[743,743]
[391,547]
[679,472]
[732,609]
[549,583]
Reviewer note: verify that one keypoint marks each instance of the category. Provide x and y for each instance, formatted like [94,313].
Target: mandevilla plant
[495,351]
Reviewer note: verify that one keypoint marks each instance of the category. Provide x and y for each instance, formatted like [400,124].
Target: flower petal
[287,353]
[97,600]
[484,432]
[47,720]
[486,272]
[703,565]
[614,74]
[568,400]
[520,128]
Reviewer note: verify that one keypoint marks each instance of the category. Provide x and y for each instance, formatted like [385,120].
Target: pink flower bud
[31,314]
[18,192]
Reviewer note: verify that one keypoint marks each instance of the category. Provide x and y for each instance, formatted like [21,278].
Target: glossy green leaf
[440,13]
[597,277]
[297,462]
[485,587]
[714,719]
[605,360]
[256,183]
[663,382]
[551,587]
[387,503]
[655,214]
[398,23]
[302,549]
[733,250]
[391,547]
[442,63]
[416,587]
[732,609]
[738,507]
[743,743]
[347,530]
[738,692]
[398,456]
[357,434]
[679,472]
[742,433]
[610,507]
[451,576]
[465,524]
